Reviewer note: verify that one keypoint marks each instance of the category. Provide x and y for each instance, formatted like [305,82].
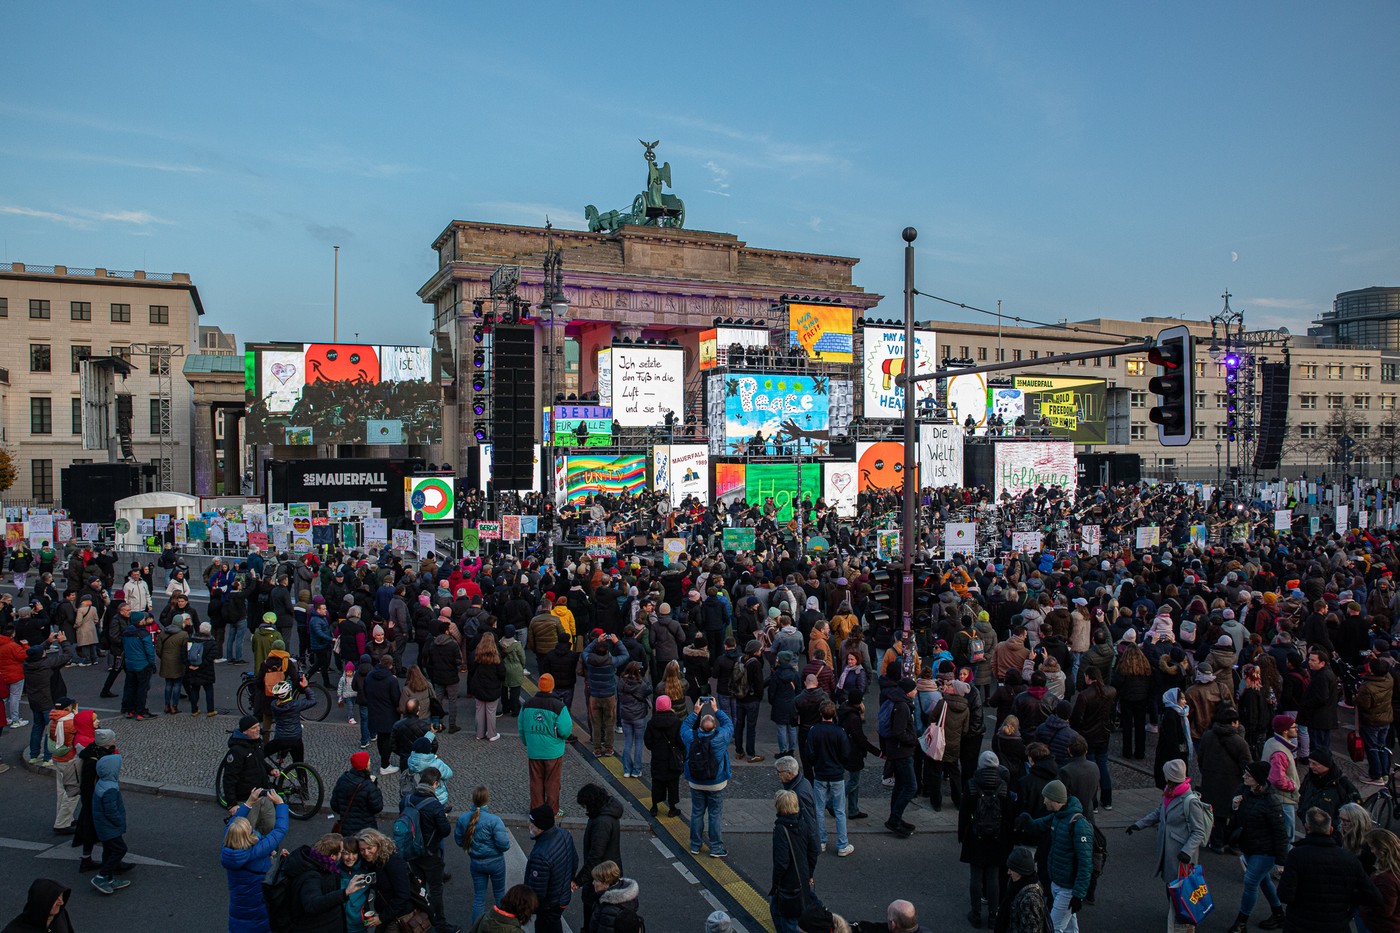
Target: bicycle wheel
[322,709]
[301,788]
[1382,809]
[219,786]
[245,698]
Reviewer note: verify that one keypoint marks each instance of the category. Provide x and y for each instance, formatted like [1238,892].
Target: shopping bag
[1356,747]
[1190,895]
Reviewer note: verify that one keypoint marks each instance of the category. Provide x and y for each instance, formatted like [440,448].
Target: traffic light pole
[911,490]
[1146,345]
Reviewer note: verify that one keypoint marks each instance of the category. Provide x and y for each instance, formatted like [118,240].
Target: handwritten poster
[427,543]
[403,539]
[647,384]
[1026,542]
[940,455]
[1091,539]
[488,531]
[376,531]
[959,538]
[1021,467]
[1147,536]
[1283,519]
[839,487]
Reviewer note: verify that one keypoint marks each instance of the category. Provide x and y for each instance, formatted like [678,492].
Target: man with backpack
[706,733]
[899,740]
[1071,856]
[419,834]
[746,686]
[984,830]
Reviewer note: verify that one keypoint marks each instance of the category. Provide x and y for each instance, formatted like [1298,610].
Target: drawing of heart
[283,371]
[840,481]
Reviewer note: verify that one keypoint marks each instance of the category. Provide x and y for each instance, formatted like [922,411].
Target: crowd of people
[1244,657]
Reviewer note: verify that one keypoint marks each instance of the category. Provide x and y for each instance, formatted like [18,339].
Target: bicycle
[299,784]
[1382,804]
[316,713]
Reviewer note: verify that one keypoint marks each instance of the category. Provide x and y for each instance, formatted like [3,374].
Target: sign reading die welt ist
[647,383]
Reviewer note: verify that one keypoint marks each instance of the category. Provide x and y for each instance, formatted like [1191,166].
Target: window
[4,307]
[80,310]
[1220,398]
[1001,355]
[38,310]
[1168,463]
[121,314]
[1084,362]
[1137,399]
[1200,369]
[160,416]
[1307,400]
[947,351]
[1362,402]
[1390,372]
[1334,370]
[1307,431]
[1361,372]
[1222,433]
[1334,430]
[1387,403]
[982,354]
[1136,367]
[1387,430]
[1362,431]
[1307,370]
[1113,362]
[964,352]
[1334,400]
[157,357]
[40,415]
[41,480]
[40,360]
[1015,354]
[160,314]
[80,353]
[1137,432]
[1200,398]
[78,416]
[1098,361]
[123,353]
[1198,431]
[1035,354]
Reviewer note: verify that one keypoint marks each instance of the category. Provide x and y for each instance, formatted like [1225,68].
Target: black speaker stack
[1273,417]
[513,406]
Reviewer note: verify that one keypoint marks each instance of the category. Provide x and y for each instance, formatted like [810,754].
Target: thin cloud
[1282,304]
[333,234]
[17,211]
[534,213]
[83,219]
[719,177]
[87,158]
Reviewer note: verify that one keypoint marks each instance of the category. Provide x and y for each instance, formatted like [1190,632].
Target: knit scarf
[1171,793]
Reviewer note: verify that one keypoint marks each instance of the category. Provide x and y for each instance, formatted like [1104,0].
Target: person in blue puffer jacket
[484,837]
[246,858]
[109,822]
[425,755]
[139,655]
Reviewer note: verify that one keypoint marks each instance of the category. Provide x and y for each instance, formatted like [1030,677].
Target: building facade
[637,283]
[1334,391]
[55,316]
[1368,317]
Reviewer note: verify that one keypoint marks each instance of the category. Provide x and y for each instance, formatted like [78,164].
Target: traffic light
[1174,414]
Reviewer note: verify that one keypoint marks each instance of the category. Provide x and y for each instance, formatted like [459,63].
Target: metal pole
[911,485]
[335,300]
[1143,347]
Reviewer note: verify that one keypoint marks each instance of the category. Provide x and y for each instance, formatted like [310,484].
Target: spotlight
[479,383]
[479,359]
[478,407]
[476,307]
[481,434]
[1232,360]
[476,336]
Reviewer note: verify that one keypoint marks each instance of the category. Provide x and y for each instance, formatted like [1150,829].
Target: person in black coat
[985,847]
[795,853]
[381,698]
[663,739]
[1173,735]
[851,716]
[1322,882]
[45,909]
[356,798]
[602,841]
[314,872]
[1257,829]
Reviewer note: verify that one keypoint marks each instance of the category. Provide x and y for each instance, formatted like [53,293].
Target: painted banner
[940,455]
[303,539]
[258,539]
[488,531]
[612,475]
[510,527]
[647,384]
[729,483]
[376,531]
[197,530]
[967,397]
[880,466]
[784,483]
[237,533]
[605,395]
[14,534]
[1024,465]
[427,543]
[338,511]
[887,544]
[690,473]
[91,530]
[661,468]
[1009,403]
[1200,535]
[959,538]
[1147,536]
[1091,539]
[1283,520]
[672,549]
[63,531]
[600,546]
[839,487]
[738,539]
[470,540]
[216,534]
[596,422]
[1342,517]
[529,524]
[1026,542]
[1363,519]
[776,415]
[403,539]
[1314,524]
[823,331]
[884,359]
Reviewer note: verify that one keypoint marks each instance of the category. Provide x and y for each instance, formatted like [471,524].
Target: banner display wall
[880,466]
[605,376]
[884,360]
[729,483]
[690,473]
[776,415]
[613,475]
[647,383]
[940,455]
[722,338]
[1024,466]
[824,331]
[596,420]
[839,487]
[1074,408]
[784,484]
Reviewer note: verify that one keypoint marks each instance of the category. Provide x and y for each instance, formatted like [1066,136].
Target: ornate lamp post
[554,309]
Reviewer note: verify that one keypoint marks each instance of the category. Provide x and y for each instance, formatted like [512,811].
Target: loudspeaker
[513,406]
[1273,417]
[473,477]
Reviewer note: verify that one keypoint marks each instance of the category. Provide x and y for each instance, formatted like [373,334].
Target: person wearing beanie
[545,725]
[425,756]
[513,657]
[984,831]
[1023,908]
[1071,855]
[1182,820]
[104,743]
[356,799]
[1279,751]
[899,743]
[426,799]
[551,867]
[663,739]
[1258,829]
[1325,786]
[245,770]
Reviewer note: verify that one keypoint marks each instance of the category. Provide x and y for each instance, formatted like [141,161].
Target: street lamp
[554,307]
[1217,464]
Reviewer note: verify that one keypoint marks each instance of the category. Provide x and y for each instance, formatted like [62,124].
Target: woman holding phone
[246,858]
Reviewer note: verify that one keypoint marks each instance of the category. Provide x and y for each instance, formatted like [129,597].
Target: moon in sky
[1234,256]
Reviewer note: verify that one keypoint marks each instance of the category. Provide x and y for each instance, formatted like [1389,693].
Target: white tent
[149,505]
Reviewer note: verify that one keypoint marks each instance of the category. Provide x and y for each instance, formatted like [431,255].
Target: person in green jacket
[1071,858]
[264,638]
[545,726]
[513,657]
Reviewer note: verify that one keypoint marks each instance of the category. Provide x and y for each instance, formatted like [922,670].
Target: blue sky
[1072,160]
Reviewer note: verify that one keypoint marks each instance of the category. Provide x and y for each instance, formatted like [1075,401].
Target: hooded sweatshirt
[43,892]
[108,808]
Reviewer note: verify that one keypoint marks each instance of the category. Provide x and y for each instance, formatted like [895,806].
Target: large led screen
[884,361]
[614,475]
[647,384]
[322,393]
[776,414]
[823,331]
[1073,408]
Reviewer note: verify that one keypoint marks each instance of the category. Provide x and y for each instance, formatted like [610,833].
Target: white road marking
[515,864]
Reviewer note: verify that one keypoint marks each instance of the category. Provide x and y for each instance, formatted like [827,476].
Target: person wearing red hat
[1279,750]
[356,800]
